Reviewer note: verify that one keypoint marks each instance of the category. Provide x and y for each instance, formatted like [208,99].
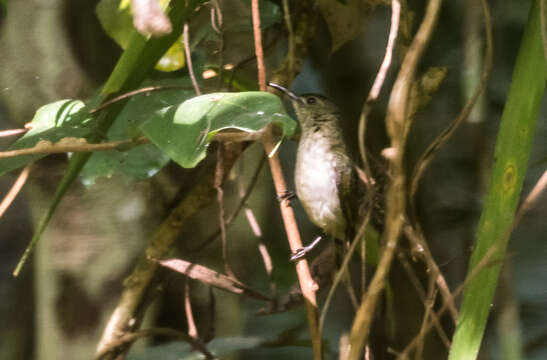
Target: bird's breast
[316,184]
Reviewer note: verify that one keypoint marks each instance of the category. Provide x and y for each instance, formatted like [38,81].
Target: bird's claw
[300,253]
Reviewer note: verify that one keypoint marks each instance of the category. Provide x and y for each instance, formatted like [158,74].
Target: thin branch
[307,284]
[343,268]
[380,76]
[12,132]
[416,239]
[259,51]
[532,197]
[367,107]
[422,295]
[219,175]
[66,145]
[131,337]
[484,262]
[188,53]
[192,328]
[242,201]
[398,128]
[15,189]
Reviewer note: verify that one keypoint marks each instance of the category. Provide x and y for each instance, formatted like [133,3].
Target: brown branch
[305,279]
[423,297]
[417,241]
[219,175]
[12,132]
[70,144]
[259,51]
[188,53]
[380,77]
[532,197]
[233,216]
[192,328]
[398,128]
[15,189]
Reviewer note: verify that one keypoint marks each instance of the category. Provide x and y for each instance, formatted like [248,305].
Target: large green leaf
[52,122]
[143,161]
[184,131]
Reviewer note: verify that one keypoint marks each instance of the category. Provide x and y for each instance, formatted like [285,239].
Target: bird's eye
[311,100]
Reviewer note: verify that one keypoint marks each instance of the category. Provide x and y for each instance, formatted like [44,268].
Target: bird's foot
[286,197]
[300,253]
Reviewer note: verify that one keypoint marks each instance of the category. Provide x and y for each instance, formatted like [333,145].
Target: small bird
[325,178]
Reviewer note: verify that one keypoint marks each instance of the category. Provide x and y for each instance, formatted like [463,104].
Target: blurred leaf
[184,131]
[345,20]
[117,22]
[173,59]
[52,122]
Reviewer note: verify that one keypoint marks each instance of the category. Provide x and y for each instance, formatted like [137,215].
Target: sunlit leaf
[143,161]
[173,59]
[184,131]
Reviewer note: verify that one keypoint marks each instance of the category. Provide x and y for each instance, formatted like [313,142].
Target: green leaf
[52,122]
[143,161]
[513,146]
[184,131]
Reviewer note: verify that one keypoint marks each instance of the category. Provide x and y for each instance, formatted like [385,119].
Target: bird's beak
[285,91]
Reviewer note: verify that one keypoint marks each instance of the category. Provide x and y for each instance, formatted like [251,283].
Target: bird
[326,181]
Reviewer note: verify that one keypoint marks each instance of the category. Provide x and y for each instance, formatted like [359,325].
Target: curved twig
[397,127]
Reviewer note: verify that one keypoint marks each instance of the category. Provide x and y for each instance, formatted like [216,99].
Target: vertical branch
[219,175]
[259,51]
[396,197]
[188,53]
[307,284]
[192,328]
